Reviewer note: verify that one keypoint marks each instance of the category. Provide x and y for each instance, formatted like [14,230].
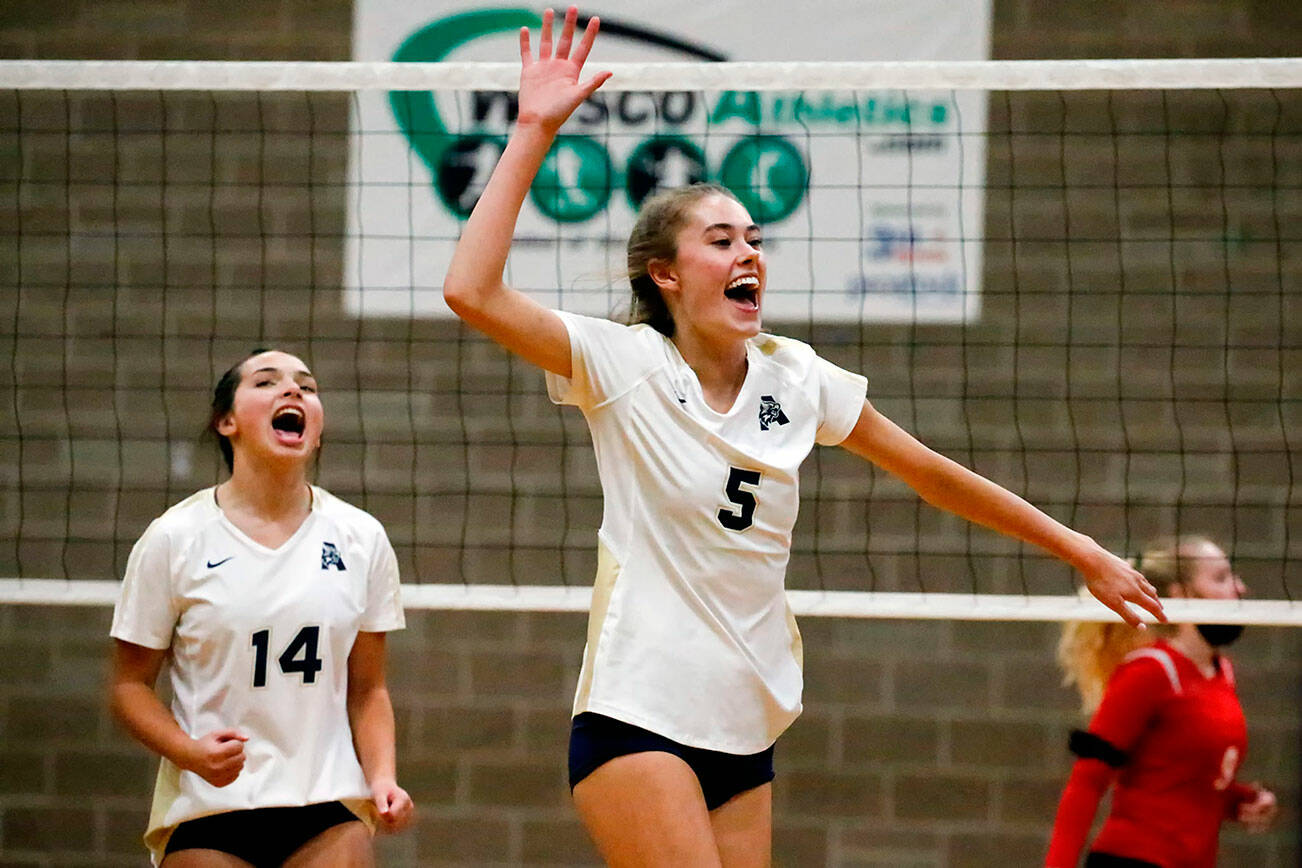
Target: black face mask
[1220,634]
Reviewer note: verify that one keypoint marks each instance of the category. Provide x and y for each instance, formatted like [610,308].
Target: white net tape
[956,75]
[834,604]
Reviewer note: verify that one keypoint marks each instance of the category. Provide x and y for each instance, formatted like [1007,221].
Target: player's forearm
[370,712]
[475,273]
[1088,781]
[138,708]
[950,486]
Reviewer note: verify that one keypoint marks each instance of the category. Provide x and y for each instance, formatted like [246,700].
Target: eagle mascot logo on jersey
[330,557]
[770,413]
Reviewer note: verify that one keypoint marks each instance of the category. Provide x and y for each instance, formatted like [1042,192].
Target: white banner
[871,201]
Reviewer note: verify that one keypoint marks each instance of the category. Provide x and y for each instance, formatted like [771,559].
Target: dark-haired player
[270,598]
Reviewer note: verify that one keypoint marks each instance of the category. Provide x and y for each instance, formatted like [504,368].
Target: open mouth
[289,423]
[744,291]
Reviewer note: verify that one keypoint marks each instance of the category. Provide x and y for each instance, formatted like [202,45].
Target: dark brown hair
[223,401]
[655,236]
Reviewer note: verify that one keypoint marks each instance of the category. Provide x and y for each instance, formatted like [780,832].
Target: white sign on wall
[871,201]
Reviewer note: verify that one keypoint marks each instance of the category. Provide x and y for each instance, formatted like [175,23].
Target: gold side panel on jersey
[604,585]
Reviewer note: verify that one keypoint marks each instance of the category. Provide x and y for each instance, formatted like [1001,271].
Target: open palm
[550,89]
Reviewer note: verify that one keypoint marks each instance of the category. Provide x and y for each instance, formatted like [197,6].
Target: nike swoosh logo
[212,564]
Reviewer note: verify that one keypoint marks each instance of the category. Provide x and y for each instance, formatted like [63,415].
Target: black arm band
[1087,745]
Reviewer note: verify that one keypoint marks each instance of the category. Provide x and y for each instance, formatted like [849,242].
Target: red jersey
[1170,740]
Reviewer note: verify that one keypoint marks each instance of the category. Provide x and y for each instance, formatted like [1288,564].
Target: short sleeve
[840,401]
[606,358]
[383,592]
[146,611]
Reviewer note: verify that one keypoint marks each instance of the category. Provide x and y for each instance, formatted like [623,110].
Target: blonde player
[700,423]
[1167,734]
[270,598]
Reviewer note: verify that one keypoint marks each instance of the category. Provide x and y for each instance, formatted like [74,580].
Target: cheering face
[1211,577]
[715,284]
[276,413]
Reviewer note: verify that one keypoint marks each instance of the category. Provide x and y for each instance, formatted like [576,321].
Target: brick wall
[922,744]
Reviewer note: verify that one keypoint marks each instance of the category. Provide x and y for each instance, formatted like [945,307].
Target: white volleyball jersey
[259,641]
[689,634]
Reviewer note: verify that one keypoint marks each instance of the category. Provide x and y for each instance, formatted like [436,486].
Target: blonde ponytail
[1088,653]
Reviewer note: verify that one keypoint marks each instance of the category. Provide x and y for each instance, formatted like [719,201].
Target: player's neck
[720,367]
[1189,642]
[271,495]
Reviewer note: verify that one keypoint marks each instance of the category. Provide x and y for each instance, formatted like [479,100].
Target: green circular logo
[767,174]
[462,171]
[661,163]
[575,180]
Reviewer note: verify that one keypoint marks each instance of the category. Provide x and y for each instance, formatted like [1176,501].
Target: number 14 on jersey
[300,655]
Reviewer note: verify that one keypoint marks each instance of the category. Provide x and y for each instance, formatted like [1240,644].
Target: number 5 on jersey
[744,515]
[300,655]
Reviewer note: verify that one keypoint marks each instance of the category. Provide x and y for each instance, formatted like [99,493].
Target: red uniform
[1171,740]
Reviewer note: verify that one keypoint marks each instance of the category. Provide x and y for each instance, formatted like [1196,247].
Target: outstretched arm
[950,486]
[550,91]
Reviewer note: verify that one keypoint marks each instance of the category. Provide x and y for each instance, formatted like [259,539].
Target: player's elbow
[468,299]
[474,304]
[459,296]
[363,700]
[935,480]
[128,706]
[117,704]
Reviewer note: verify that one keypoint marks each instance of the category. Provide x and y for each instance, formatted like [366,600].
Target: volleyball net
[1080,279]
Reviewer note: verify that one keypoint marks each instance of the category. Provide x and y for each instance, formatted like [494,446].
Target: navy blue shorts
[596,739]
[264,837]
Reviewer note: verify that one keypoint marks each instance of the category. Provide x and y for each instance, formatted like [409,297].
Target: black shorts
[1106,860]
[264,837]
[596,739]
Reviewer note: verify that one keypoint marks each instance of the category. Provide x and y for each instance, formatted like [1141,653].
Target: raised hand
[550,89]
[1114,583]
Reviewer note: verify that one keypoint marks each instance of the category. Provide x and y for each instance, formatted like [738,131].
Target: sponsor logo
[768,173]
[905,243]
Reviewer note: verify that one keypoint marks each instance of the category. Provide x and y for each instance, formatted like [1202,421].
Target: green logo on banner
[462,168]
[767,174]
[450,158]
[663,162]
[574,181]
